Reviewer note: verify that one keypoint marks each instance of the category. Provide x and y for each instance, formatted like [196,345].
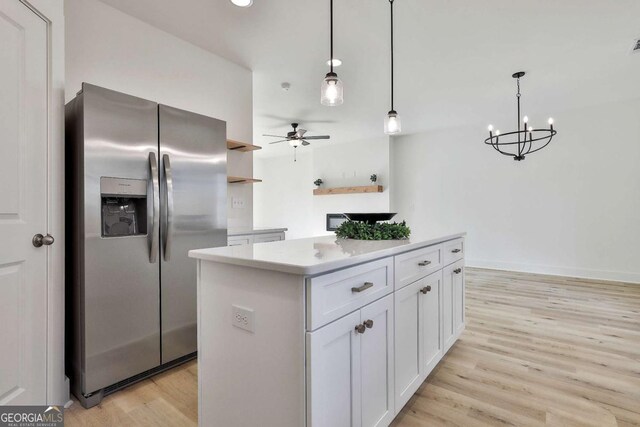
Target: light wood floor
[537,350]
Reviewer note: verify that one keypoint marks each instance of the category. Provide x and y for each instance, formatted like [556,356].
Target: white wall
[570,209]
[285,197]
[109,48]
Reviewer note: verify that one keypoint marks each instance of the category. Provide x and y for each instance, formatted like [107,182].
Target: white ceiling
[454,59]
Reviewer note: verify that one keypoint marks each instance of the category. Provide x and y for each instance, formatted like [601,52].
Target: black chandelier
[526,140]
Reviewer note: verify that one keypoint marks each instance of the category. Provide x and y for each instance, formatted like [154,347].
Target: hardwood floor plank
[537,350]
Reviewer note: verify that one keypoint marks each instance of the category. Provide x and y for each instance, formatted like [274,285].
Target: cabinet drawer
[238,240]
[333,295]
[414,265]
[271,237]
[453,251]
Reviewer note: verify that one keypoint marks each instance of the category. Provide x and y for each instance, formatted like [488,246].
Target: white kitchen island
[323,331]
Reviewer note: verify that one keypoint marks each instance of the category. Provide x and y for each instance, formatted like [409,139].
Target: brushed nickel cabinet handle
[424,263]
[457,270]
[455,251]
[364,287]
[368,323]
[361,329]
[426,289]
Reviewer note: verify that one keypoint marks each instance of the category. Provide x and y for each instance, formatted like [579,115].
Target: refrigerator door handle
[155,229]
[168,188]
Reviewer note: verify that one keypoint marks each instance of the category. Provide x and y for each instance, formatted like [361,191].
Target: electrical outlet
[242,318]
[237,203]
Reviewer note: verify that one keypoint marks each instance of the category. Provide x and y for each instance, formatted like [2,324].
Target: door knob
[426,289]
[368,323]
[39,240]
[457,270]
[360,329]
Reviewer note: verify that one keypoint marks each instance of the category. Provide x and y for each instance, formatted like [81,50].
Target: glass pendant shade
[392,123]
[331,92]
[294,143]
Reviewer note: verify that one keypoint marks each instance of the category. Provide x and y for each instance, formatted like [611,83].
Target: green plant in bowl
[358,230]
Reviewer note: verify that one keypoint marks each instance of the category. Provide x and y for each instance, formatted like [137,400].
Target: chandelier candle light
[392,120]
[526,140]
[331,92]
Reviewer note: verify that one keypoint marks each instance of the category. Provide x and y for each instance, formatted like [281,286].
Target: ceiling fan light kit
[242,3]
[526,140]
[392,124]
[331,91]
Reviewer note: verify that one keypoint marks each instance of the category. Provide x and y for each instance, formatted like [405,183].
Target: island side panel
[250,378]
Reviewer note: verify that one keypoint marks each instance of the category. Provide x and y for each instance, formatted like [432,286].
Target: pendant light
[392,120]
[331,92]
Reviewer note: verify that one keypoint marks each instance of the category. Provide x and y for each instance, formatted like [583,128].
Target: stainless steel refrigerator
[145,183]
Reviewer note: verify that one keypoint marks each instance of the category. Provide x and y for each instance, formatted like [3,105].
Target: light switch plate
[243,318]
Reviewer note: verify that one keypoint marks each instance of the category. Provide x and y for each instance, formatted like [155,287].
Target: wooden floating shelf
[348,190]
[241,180]
[241,146]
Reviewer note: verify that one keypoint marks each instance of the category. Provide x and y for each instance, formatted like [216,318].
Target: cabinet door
[376,361]
[431,322]
[447,306]
[333,374]
[458,297]
[408,341]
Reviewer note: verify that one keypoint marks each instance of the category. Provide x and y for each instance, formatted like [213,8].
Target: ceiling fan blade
[305,142]
[275,142]
[317,137]
[274,136]
[301,132]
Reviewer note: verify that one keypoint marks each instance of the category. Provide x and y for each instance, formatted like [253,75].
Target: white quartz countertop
[246,230]
[315,255]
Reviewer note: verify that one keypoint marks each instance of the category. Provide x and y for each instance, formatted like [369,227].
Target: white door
[376,361]
[333,374]
[447,306]
[23,204]
[408,341]
[431,326]
[458,297]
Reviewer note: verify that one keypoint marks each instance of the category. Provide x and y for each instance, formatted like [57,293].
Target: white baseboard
[616,276]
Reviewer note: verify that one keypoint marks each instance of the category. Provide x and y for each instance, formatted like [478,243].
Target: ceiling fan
[297,137]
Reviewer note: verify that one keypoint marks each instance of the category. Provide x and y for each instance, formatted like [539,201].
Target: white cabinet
[417,264]
[249,238]
[458,297]
[418,336]
[333,374]
[408,342]
[377,363]
[346,346]
[452,302]
[431,323]
[333,295]
[350,369]
[269,237]
[238,240]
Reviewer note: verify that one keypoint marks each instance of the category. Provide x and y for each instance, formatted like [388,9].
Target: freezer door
[193,180]
[120,203]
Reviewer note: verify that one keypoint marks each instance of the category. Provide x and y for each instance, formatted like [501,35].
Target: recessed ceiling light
[336,62]
[242,3]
